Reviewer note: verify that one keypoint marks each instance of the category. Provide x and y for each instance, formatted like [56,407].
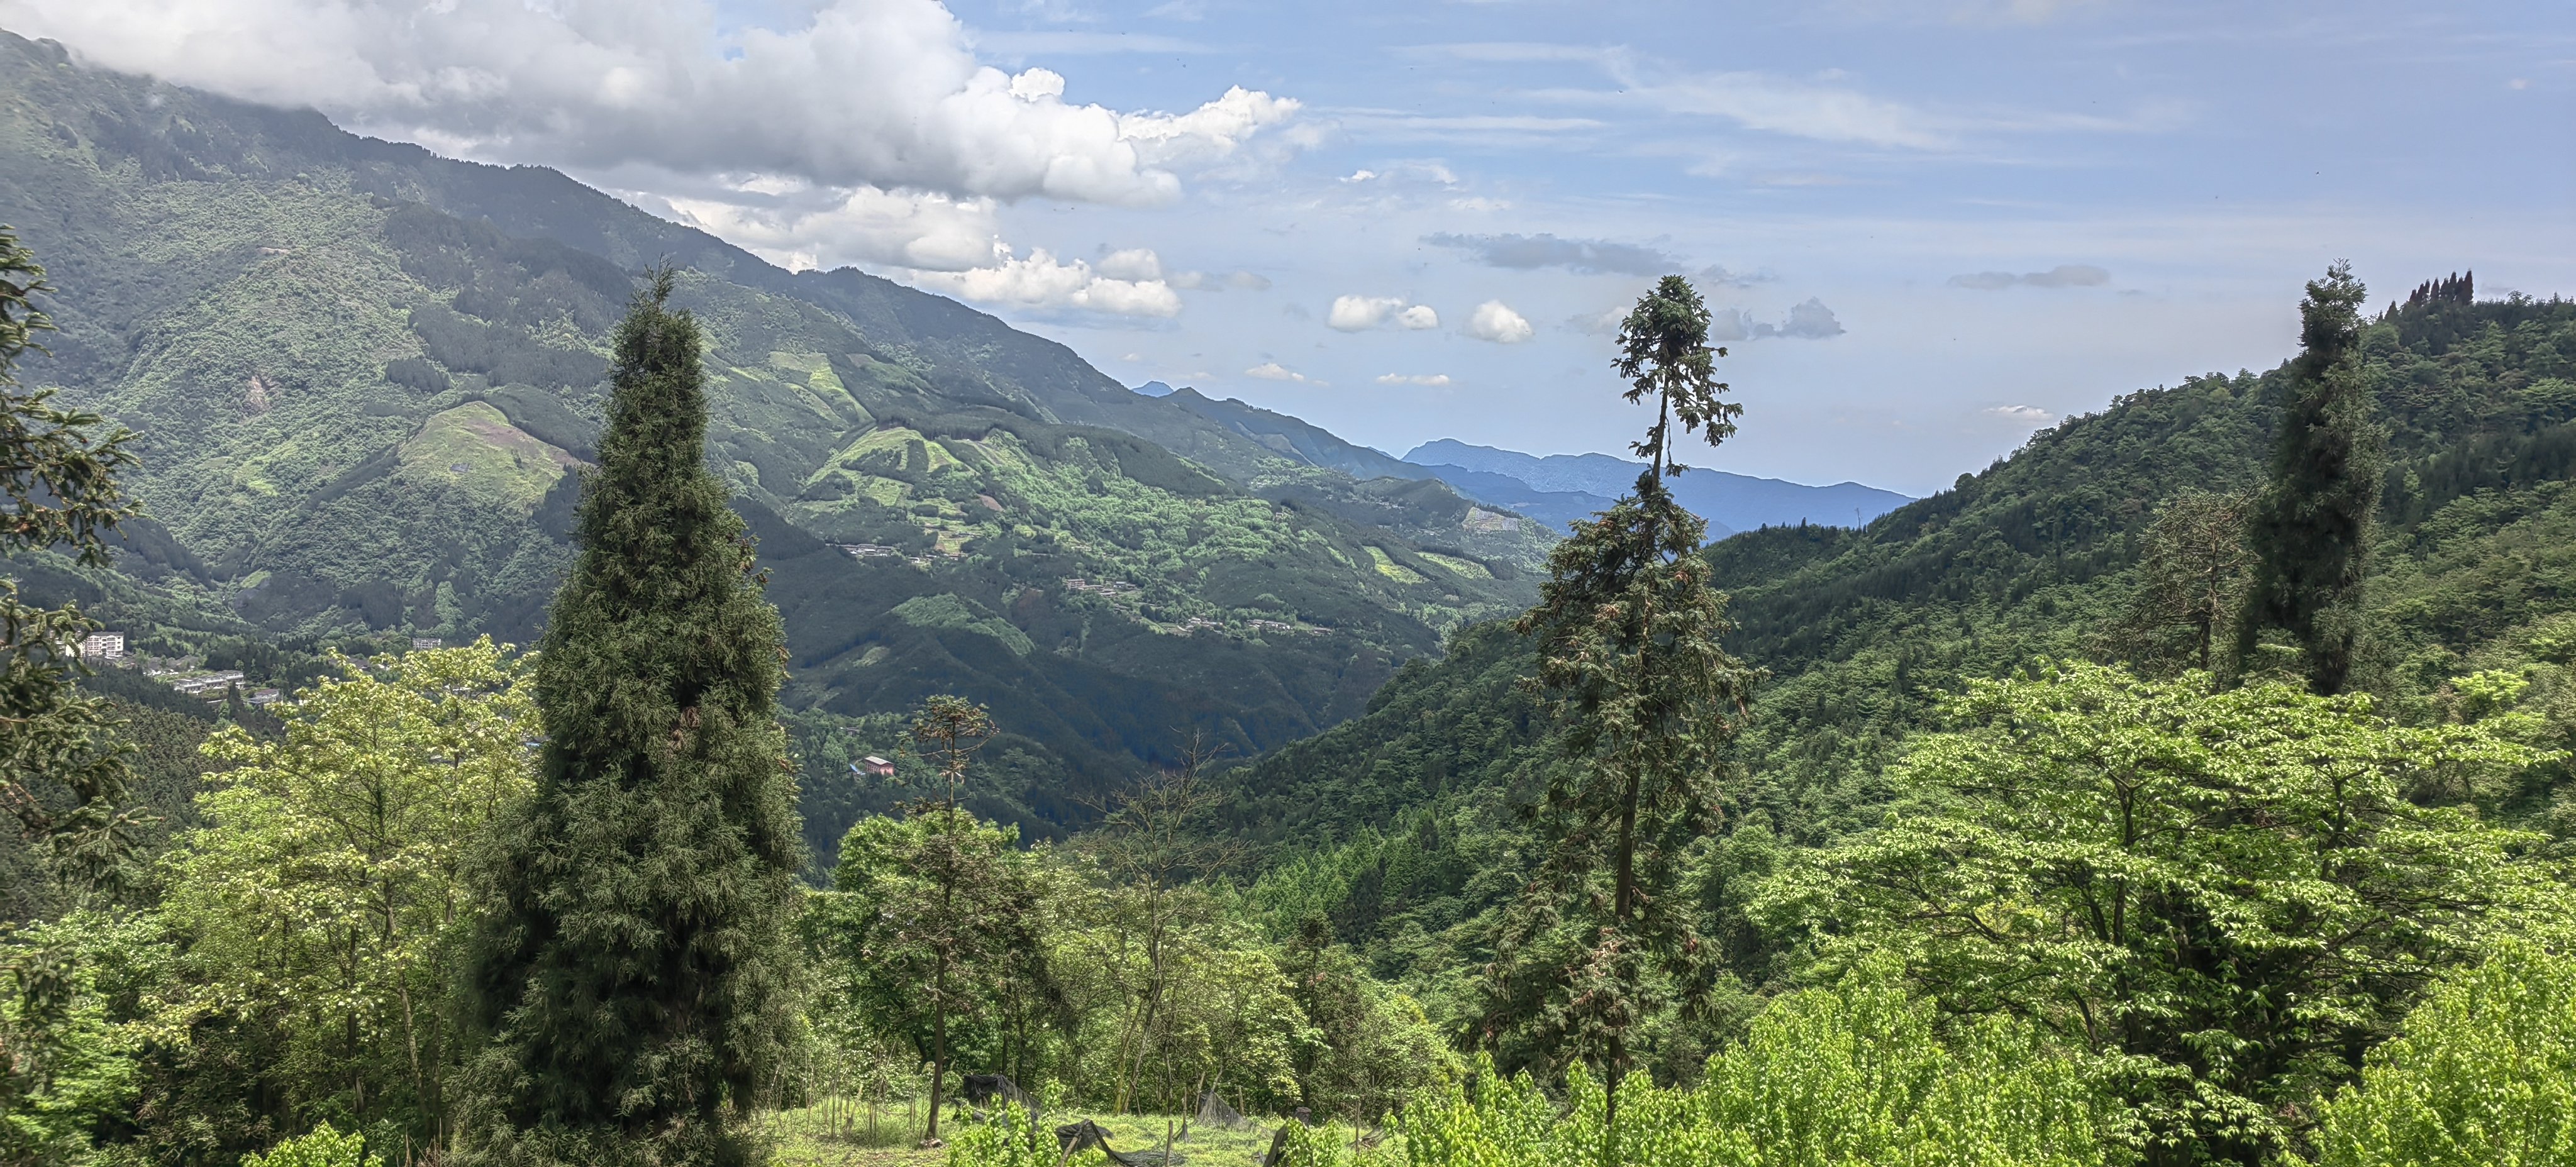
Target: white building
[103,646]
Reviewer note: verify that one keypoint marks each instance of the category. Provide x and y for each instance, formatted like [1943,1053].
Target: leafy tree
[635,971]
[1629,636]
[2192,578]
[71,1040]
[326,894]
[2482,1075]
[2224,894]
[62,769]
[933,928]
[936,921]
[1150,842]
[2313,524]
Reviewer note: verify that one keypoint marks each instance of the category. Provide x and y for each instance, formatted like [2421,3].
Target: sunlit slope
[367,378]
[1864,631]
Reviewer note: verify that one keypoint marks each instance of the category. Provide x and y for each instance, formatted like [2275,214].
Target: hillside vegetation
[365,379]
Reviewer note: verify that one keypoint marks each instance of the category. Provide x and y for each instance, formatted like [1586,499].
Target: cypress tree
[2311,528]
[633,974]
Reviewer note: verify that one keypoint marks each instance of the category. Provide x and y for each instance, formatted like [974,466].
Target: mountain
[1865,631]
[365,378]
[1730,502]
[1547,510]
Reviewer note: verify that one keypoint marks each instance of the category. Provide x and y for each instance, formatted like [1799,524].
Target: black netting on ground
[1214,1112]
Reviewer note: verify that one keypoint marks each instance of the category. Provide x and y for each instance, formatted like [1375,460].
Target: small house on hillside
[875,767]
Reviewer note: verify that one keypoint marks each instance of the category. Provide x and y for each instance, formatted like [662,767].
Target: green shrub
[2484,1072]
[1827,1077]
[323,1147]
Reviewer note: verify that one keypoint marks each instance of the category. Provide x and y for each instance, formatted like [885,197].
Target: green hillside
[365,378]
[1399,827]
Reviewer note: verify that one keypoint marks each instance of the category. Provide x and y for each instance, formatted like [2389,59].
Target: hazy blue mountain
[1738,502]
[1154,389]
[1293,437]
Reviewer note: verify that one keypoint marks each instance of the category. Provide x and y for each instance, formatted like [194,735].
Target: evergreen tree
[63,771]
[2312,526]
[634,973]
[1629,634]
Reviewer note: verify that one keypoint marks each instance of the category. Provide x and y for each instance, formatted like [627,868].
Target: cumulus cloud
[876,93]
[1432,379]
[1495,321]
[2030,415]
[1274,371]
[1040,281]
[2064,275]
[1361,313]
[1808,321]
[797,225]
[1136,264]
[1588,256]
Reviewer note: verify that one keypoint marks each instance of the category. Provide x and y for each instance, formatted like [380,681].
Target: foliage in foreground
[320,907]
[2223,894]
[1848,1075]
[2483,1075]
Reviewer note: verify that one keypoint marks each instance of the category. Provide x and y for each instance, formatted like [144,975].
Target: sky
[1927,229]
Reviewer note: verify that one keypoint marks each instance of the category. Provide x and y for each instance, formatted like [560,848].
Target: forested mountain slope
[1864,631]
[364,377]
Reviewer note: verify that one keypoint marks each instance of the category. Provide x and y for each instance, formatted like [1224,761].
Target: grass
[824,1136]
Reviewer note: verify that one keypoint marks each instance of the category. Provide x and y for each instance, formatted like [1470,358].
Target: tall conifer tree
[2312,527]
[634,973]
[1629,635]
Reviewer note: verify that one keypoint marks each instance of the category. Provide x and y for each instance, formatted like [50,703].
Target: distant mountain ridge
[1293,437]
[1554,490]
[1737,502]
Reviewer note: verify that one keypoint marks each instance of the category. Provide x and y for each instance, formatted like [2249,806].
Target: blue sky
[1938,225]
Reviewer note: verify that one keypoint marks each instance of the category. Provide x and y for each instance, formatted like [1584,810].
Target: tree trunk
[939,1046]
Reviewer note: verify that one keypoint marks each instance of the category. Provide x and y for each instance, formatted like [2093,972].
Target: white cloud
[1361,313]
[1133,264]
[1248,281]
[1495,321]
[1274,371]
[799,226]
[2030,415]
[1039,281]
[1431,379]
[860,93]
